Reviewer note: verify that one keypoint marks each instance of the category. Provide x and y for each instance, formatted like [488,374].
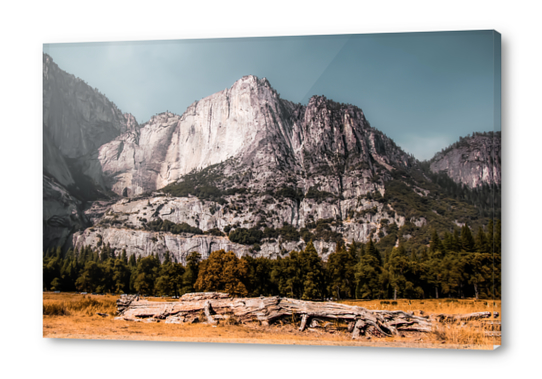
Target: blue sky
[424,90]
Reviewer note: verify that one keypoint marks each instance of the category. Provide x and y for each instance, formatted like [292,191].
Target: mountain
[77,120]
[473,161]
[248,122]
[241,170]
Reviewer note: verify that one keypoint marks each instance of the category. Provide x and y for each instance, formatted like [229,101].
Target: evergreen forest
[459,264]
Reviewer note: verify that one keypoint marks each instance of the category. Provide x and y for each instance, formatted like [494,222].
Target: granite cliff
[240,170]
[77,119]
[473,161]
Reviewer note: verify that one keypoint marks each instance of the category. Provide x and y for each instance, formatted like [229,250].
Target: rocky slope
[62,213]
[267,162]
[472,161]
[248,122]
[243,161]
[77,119]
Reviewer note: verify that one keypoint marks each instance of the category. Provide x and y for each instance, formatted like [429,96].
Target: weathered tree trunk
[304,320]
[207,310]
[215,307]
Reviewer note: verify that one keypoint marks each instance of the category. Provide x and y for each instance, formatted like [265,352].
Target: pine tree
[451,270]
[456,241]
[480,242]
[56,284]
[192,271]
[422,252]
[340,273]
[90,277]
[169,280]
[497,238]
[132,262]
[490,237]
[145,274]
[479,270]
[371,249]
[121,275]
[313,273]
[448,242]
[496,258]
[259,281]
[368,276]
[467,241]
[398,267]
[123,256]
[436,246]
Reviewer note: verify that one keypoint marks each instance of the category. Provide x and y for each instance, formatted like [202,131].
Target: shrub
[317,195]
[246,236]
[215,232]
[55,309]
[171,227]
[289,192]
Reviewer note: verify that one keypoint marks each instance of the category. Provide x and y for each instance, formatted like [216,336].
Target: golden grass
[67,304]
[68,315]
[431,306]
[472,333]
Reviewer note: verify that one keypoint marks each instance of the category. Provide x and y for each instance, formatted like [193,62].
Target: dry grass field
[69,315]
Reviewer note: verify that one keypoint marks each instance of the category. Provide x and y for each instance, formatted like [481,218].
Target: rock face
[122,225]
[248,122]
[271,163]
[473,161]
[231,123]
[242,158]
[143,243]
[77,118]
[62,214]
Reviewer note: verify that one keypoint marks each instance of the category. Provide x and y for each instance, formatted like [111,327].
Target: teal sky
[424,90]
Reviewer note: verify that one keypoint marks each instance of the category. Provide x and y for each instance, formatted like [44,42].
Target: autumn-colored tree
[223,272]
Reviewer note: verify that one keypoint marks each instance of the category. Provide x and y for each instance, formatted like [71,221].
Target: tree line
[458,264]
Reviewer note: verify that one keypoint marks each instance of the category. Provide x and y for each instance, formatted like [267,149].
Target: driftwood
[214,308]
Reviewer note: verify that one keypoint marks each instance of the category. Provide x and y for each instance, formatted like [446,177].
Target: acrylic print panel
[233,190]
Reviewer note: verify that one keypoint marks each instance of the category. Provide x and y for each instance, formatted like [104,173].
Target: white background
[25,26]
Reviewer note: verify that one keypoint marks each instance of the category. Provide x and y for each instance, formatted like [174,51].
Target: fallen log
[220,307]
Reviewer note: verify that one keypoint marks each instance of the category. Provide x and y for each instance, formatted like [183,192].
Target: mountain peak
[473,161]
[253,79]
[253,82]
